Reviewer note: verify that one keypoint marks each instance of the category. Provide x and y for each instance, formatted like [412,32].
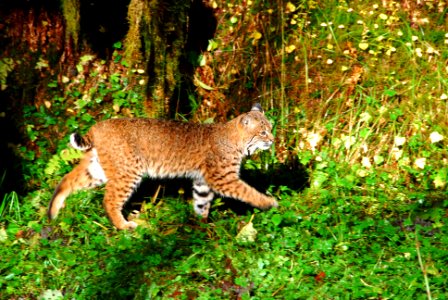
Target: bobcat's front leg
[232,186]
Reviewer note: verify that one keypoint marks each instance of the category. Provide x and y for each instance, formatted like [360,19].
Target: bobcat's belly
[164,172]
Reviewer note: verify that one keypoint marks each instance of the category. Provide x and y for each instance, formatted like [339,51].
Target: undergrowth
[357,93]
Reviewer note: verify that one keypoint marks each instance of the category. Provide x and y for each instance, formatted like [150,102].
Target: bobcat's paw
[272,203]
[129,225]
[202,209]
[269,202]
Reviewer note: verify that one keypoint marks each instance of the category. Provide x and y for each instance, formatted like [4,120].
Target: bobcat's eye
[264,133]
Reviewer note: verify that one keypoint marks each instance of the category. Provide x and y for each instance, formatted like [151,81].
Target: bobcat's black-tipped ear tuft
[257,107]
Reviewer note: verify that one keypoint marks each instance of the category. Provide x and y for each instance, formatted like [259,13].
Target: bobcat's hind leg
[202,197]
[87,174]
[118,191]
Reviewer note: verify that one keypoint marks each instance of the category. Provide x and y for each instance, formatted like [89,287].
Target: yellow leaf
[290,48]
[290,7]
[439,182]
[363,45]
[256,35]
[248,233]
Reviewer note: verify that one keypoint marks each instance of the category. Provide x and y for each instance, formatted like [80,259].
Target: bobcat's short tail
[58,200]
[80,142]
[87,174]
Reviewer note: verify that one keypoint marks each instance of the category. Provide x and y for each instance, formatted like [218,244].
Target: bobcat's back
[121,151]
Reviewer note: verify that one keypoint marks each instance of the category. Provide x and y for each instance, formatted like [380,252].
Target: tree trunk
[156,37]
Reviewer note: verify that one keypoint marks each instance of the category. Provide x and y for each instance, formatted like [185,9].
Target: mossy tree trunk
[156,37]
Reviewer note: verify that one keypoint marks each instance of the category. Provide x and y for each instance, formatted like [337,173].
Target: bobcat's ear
[256,107]
[246,121]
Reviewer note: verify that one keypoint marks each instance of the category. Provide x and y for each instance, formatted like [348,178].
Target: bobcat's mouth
[262,145]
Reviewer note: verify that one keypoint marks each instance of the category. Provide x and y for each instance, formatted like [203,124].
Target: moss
[70,10]
[133,38]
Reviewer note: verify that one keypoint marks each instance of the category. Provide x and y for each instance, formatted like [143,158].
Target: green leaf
[390,93]
[276,219]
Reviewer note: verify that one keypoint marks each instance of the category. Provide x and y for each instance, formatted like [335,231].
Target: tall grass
[360,84]
[11,206]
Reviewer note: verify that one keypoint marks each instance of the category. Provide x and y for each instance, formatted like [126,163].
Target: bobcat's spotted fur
[119,152]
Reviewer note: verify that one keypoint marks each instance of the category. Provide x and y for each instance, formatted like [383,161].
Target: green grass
[358,97]
[320,244]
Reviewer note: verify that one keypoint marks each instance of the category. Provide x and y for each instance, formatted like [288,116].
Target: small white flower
[418,51]
[396,153]
[313,140]
[399,141]
[420,163]
[365,117]
[435,137]
[382,110]
[430,50]
[348,141]
[443,96]
[366,162]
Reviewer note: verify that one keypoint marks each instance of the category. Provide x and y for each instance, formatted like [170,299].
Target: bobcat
[121,151]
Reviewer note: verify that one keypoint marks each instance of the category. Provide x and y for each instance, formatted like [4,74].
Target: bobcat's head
[256,130]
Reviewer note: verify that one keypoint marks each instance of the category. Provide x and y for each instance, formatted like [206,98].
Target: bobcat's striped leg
[202,196]
[118,191]
[87,174]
